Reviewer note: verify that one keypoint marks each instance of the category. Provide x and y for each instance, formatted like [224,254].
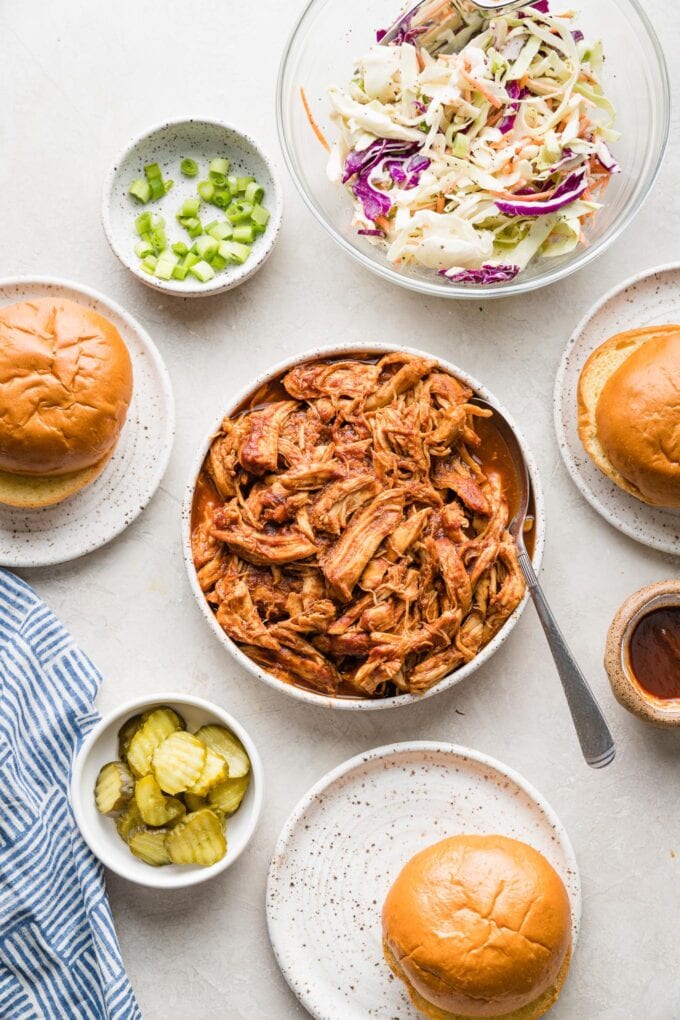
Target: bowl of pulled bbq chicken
[345,529]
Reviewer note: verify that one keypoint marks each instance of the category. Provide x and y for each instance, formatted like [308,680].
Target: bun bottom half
[532,1011]
[31,492]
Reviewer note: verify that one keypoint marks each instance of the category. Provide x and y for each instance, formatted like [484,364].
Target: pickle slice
[154,807]
[214,771]
[178,762]
[149,846]
[113,788]
[158,725]
[126,733]
[194,802]
[223,742]
[226,798]
[199,839]
[129,821]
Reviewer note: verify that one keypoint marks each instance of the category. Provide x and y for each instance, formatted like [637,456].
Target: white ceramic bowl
[361,704]
[99,831]
[167,144]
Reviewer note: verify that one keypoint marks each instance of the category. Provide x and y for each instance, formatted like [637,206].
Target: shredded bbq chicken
[348,537]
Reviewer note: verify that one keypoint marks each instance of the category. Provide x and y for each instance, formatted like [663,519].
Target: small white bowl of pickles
[167,791]
[192,207]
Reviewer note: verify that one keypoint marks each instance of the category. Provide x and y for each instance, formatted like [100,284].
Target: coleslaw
[474,144]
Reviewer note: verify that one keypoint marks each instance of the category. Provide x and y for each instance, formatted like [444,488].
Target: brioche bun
[629,412]
[479,926]
[65,388]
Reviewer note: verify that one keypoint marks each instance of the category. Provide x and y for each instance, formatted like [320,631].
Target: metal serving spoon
[597,743]
[442,12]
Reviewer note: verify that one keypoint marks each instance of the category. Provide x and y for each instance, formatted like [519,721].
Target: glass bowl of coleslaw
[474,157]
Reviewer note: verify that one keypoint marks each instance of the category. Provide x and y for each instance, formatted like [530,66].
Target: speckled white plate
[349,837]
[96,514]
[167,144]
[649,298]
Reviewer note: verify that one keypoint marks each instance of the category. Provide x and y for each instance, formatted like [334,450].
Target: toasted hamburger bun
[479,926]
[65,389]
[629,412]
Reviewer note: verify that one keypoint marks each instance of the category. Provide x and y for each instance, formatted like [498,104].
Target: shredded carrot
[441,202]
[315,127]
[383,223]
[480,88]
[524,198]
[523,82]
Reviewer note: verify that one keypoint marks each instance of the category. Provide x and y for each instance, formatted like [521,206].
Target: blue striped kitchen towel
[59,955]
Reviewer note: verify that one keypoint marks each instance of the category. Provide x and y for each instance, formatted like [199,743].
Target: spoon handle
[597,743]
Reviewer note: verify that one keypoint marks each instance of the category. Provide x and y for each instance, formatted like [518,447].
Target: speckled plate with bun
[348,838]
[96,514]
[647,299]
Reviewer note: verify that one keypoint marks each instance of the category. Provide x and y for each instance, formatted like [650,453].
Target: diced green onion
[159,240]
[254,193]
[193,226]
[190,259]
[219,166]
[206,190]
[168,185]
[239,212]
[260,218]
[232,181]
[157,188]
[148,264]
[143,223]
[156,220]
[189,167]
[140,190]
[232,251]
[180,248]
[242,183]
[190,208]
[152,171]
[164,269]
[143,248]
[222,198]
[179,272]
[203,271]
[218,263]
[206,246]
[219,180]
[245,233]
[221,231]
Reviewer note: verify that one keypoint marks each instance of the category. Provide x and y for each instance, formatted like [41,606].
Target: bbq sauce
[654,653]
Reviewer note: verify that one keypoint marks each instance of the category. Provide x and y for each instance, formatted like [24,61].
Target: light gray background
[77,79]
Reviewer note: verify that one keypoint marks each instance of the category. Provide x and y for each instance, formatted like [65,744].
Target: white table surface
[78,78]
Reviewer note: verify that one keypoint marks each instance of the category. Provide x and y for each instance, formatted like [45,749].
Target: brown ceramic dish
[627,689]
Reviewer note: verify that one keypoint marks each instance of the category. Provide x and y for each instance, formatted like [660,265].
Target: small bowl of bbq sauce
[642,656]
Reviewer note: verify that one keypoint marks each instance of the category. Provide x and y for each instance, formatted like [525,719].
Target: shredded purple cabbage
[605,157]
[542,6]
[486,275]
[391,154]
[578,35]
[395,168]
[360,160]
[508,121]
[404,33]
[568,191]
[372,233]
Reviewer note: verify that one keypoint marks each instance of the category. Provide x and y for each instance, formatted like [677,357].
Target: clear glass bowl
[331,34]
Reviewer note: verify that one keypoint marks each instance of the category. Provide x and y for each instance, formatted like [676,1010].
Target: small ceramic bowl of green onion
[192,207]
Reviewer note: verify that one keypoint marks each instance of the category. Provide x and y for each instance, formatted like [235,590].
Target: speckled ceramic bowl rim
[154,355]
[431,747]
[221,282]
[559,410]
[625,688]
[162,878]
[299,693]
